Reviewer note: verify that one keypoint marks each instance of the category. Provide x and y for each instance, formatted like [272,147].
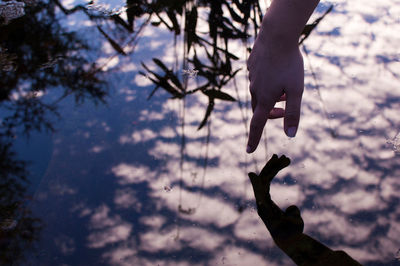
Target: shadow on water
[125,184]
[286,227]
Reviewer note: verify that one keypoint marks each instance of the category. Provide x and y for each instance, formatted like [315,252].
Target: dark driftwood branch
[286,227]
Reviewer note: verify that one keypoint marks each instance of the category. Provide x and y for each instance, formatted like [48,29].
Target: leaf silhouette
[190,27]
[210,107]
[155,89]
[118,20]
[175,24]
[164,22]
[310,27]
[112,42]
[224,82]
[169,74]
[234,15]
[163,82]
[226,52]
[156,23]
[216,94]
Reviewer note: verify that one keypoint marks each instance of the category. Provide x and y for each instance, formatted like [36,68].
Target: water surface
[99,168]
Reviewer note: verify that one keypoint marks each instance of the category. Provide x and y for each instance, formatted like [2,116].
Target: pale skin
[276,69]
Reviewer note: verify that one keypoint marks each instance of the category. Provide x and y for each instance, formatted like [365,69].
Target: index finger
[259,189]
[272,168]
[257,124]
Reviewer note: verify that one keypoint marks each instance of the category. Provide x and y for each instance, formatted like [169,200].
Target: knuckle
[298,92]
[252,90]
[255,127]
[291,115]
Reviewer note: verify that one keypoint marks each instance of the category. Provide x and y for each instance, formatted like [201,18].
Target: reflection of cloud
[351,179]
[353,201]
[142,81]
[128,67]
[129,174]
[129,94]
[366,178]
[65,244]
[107,230]
[100,218]
[61,189]
[155,221]
[390,188]
[96,149]
[211,211]
[201,239]
[285,195]
[110,235]
[249,227]
[333,226]
[165,149]
[147,115]
[159,241]
[233,255]
[121,256]
[138,136]
[126,198]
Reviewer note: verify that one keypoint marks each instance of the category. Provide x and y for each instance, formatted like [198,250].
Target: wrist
[276,35]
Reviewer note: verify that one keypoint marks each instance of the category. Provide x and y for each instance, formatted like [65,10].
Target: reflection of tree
[18,228]
[37,55]
[45,56]
[214,72]
[214,69]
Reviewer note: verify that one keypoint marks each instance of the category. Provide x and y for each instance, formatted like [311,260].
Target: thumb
[292,114]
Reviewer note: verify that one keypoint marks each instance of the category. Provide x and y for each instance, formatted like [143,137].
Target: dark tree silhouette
[37,55]
[19,229]
[44,56]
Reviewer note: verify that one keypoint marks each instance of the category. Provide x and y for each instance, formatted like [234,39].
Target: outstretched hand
[261,183]
[282,225]
[286,227]
[276,73]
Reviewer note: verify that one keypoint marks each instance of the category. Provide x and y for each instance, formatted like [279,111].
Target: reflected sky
[126,180]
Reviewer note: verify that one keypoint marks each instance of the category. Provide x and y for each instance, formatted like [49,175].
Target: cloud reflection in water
[346,186]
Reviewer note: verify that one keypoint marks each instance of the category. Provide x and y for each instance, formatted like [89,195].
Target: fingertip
[293,210]
[252,175]
[292,114]
[291,132]
[285,161]
[257,124]
[252,143]
[248,149]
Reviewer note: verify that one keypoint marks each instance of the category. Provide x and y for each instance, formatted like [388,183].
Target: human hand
[282,225]
[286,227]
[261,183]
[276,73]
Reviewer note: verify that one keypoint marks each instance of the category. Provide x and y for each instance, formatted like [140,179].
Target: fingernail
[248,149]
[291,132]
